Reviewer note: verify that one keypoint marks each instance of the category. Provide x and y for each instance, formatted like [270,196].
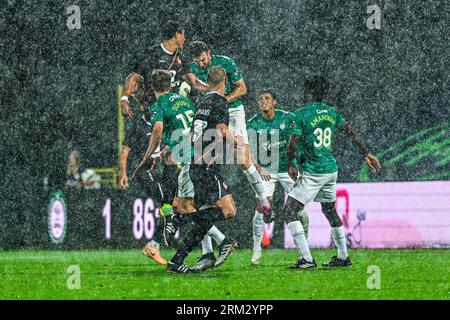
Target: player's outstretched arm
[131,85]
[370,159]
[240,89]
[123,157]
[195,83]
[291,154]
[155,140]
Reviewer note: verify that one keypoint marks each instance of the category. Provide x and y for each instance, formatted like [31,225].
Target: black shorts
[209,186]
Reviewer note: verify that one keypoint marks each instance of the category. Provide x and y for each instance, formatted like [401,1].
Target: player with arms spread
[267,123]
[317,124]
[235,89]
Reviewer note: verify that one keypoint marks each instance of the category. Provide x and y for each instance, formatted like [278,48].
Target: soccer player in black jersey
[212,197]
[165,55]
[138,94]
[133,149]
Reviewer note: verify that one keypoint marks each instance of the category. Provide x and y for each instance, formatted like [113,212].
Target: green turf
[126,274]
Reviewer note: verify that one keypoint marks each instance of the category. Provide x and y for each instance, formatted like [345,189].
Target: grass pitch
[127,274]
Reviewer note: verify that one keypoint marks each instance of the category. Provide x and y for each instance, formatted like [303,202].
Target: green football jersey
[234,74]
[176,113]
[285,123]
[318,123]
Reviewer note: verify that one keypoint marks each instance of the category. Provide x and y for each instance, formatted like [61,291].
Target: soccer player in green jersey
[171,113]
[203,61]
[317,124]
[277,125]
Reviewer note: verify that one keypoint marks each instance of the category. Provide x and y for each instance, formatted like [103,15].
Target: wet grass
[127,274]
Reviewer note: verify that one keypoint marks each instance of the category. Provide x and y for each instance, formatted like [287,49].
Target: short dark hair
[317,87]
[196,48]
[215,76]
[161,80]
[269,91]
[170,29]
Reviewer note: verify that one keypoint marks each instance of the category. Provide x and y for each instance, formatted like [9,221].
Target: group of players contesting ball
[194,194]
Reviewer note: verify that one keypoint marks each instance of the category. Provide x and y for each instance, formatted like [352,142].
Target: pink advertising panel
[386,215]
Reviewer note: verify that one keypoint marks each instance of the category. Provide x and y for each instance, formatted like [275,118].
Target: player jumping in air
[167,56]
[317,123]
[271,123]
[171,114]
[235,89]
[133,149]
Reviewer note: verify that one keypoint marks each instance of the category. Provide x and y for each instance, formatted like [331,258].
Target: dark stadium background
[58,87]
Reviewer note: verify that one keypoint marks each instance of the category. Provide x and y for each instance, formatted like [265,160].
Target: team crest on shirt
[224,186]
[282,126]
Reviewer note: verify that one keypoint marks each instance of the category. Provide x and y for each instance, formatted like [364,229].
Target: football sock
[206,245]
[192,237]
[202,221]
[169,183]
[155,244]
[256,182]
[297,232]
[340,241]
[211,215]
[159,230]
[258,230]
[215,234]
[304,219]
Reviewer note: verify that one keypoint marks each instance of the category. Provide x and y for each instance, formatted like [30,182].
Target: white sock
[216,234]
[258,230]
[297,232]
[256,182]
[155,244]
[340,241]
[206,245]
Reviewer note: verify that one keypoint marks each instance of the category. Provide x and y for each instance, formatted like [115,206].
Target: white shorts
[283,178]
[317,187]
[185,185]
[238,125]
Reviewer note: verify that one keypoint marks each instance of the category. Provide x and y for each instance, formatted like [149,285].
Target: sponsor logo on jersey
[204,112]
